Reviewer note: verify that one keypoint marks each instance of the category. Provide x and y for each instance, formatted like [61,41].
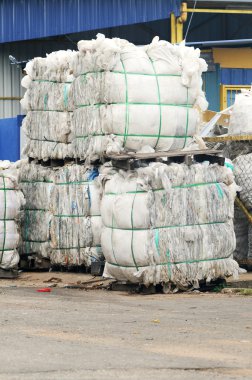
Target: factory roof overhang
[34,19]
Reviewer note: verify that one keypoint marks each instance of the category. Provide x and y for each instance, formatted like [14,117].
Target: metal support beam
[223,11]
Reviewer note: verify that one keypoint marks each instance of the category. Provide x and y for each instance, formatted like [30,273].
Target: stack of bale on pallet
[61,221]
[132,98]
[11,200]
[161,223]
[241,154]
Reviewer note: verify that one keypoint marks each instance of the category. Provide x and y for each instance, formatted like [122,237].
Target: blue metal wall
[236,76]
[211,85]
[29,19]
[10,138]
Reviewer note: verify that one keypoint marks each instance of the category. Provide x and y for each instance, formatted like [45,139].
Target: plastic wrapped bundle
[241,117]
[36,183]
[48,96]
[57,66]
[130,97]
[76,221]
[169,224]
[50,134]
[11,200]
[49,102]
[243,178]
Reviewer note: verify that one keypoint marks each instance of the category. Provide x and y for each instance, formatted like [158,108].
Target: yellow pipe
[225,11]
[244,209]
[179,29]
[10,98]
[173,29]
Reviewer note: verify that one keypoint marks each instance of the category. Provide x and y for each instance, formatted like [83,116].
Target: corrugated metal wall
[27,19]
[10,75]
[236,76]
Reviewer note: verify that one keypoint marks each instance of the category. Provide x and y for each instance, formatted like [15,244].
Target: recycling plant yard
[125,219]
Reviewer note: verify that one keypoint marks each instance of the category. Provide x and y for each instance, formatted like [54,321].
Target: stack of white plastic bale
[11,200]
[161,223]
[61,220]
[135,98]
[48,101]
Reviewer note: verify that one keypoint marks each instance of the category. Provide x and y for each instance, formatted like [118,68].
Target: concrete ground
[98,334]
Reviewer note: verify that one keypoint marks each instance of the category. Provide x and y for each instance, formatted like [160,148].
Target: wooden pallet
[10,273]
[228,138]
[56,163]
[129,161]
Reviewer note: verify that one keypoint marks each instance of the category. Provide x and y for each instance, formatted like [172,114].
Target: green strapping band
[164,227]
[168,255]
[36,209]
[132,233]
[172,262]
[45,102]
[46,140]
[159,102]
[7,220]
[7,188]
[75,216]
[130,73]
[112,232]
[37,241]
[220,190]
[66,90]
[157,241]
[36,181]
[133,135]
[5,211]
[126,128]
[75,183]
[135,104]
[162,189]
[47,80]
[27,224]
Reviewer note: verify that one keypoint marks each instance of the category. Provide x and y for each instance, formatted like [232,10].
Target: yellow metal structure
[244,209]
[223,11]
[227,94]
[228,138]
[233,57]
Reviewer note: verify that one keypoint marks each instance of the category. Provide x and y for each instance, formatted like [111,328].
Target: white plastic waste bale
[49,100]
[48,96]
[169,224]
[130,97]
[76,221]
[49,126]
[36,183]
[241,117]
[49,134]
[56,66]
[243,177]
[11,200]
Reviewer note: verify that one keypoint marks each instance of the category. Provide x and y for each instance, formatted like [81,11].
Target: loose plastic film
[169,224]
[130,98]
[11,200]
[49,105]
[61,219]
